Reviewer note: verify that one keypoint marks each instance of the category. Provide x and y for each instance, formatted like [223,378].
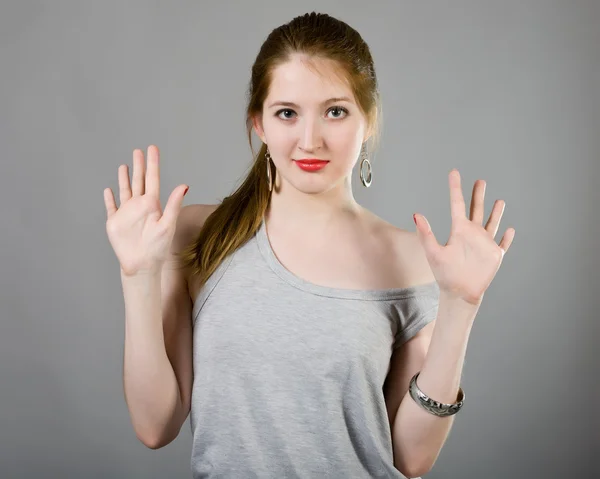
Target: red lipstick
[310,164]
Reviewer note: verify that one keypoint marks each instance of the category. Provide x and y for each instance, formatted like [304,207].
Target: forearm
[419,435]
[149,381]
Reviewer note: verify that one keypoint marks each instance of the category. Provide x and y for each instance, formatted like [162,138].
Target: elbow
[415,471]
[416,467]
[158,437]
[154,442]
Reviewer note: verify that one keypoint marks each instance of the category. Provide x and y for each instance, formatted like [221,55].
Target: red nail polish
[415,218]
[186,190]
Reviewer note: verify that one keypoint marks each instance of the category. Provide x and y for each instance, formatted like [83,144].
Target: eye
[339,110]
[285,110]
[288,114]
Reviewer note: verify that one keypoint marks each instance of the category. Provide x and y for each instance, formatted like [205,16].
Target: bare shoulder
[407,253]
[189,222]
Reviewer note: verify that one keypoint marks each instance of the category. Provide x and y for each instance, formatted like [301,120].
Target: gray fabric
[288,375]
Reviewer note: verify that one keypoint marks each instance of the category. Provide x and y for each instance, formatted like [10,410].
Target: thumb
[425,235]
[173,205]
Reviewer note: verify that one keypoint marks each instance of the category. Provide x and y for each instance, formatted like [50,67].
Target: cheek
[347,143]
[279,136]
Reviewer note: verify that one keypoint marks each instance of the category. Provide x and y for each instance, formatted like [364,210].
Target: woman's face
[311,113]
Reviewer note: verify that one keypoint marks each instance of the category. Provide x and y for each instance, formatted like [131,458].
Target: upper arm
[405,362]
[408,359]
[177,304]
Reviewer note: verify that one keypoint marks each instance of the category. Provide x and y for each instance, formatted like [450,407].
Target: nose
[311,135]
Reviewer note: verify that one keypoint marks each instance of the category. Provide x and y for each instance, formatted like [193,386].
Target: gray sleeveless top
[288,375]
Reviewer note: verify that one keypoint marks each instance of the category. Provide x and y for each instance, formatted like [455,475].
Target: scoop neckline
[280,270]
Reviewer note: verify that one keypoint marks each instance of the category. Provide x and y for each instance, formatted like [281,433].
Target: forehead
[308,79]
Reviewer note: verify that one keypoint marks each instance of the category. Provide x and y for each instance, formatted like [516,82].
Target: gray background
[507,91]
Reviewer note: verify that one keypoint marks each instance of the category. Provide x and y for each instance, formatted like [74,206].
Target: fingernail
[186,190]
[415,218]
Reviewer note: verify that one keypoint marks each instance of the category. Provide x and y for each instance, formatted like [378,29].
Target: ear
[258,129]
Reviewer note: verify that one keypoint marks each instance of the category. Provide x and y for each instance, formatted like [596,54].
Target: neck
[291,209]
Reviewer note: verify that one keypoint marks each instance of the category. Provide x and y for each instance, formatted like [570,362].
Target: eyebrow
[291,104]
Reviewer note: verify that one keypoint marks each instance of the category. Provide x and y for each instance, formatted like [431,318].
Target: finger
[507,239]
[426,235]
[495,216]
[457,201]
[109,202]
[477,202]
[153,172]
[124,186]
[173,205]
[138,179]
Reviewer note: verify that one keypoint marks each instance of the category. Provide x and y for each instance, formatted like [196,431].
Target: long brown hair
[239,216]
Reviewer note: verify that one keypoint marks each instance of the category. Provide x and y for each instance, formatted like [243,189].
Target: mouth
[311,161]
[310,164]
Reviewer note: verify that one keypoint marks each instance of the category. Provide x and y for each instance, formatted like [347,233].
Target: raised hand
[139,231]
[465,267]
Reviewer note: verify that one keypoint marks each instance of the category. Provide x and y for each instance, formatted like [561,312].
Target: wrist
[143,274]
[458,303]
[456,311]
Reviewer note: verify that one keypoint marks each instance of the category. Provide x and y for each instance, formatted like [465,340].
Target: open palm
[466,265]
[139,231]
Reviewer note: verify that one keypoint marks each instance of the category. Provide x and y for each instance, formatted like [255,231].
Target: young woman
[292,322]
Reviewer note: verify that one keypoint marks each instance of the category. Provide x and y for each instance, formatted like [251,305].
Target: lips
[311,161]
[310,164]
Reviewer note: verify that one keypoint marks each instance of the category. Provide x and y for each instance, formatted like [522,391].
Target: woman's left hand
[465,267]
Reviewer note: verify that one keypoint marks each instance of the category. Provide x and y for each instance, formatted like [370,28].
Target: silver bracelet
[434,407]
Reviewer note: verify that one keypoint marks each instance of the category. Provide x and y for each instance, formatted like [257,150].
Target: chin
[314,190]
[315,186]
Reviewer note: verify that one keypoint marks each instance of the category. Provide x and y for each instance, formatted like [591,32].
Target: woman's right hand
[139,232]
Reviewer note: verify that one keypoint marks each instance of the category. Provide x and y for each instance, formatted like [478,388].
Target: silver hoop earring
[368,178]
[269,178]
